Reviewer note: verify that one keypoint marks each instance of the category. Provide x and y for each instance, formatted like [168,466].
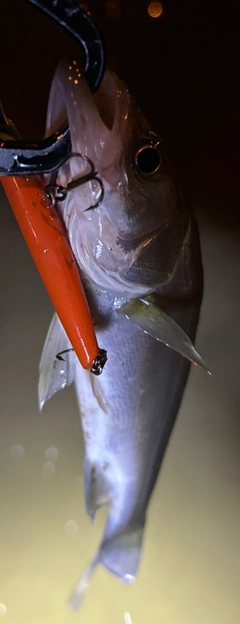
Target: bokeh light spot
[71,527]
[51,454]
[48,469]
[3,609]
[17,451]
[155,9]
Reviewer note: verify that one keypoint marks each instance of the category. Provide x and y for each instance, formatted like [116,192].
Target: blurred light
[71,527]
[3,609]
[48,469]
[155,9]
[112,9]
[84,5]
[17,451]
[51,454]
[127,618]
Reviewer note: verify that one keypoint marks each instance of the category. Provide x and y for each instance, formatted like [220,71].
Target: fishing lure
[34,206]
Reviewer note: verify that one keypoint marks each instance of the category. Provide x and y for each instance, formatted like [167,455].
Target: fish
[139,257]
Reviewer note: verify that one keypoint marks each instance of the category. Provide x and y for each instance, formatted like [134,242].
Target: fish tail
[75,598]
[121,545]
[122,553]
[119,555]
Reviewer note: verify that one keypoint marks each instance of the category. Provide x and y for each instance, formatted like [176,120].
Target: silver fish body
[141,242]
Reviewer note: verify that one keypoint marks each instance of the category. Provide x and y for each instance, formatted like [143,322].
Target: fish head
[132,240]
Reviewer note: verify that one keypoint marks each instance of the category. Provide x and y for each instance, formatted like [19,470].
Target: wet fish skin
[142,240]
[139,423]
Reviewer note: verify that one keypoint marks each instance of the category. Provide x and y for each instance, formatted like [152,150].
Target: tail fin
[120,555]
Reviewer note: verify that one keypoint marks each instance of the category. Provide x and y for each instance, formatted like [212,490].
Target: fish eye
[148,159]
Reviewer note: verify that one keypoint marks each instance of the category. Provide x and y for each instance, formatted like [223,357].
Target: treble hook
[55,192]
[42,226]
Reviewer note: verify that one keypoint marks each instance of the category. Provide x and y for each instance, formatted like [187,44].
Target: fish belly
[127,416]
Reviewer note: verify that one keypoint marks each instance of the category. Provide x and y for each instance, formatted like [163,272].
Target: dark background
[182,68]
[183,71]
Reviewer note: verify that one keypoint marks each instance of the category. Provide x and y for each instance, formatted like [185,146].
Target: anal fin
[55,374]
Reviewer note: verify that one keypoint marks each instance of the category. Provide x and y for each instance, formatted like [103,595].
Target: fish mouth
[107,243]
[97,122]
[98,127]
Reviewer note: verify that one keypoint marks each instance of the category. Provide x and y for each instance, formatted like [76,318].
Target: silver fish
[140,261]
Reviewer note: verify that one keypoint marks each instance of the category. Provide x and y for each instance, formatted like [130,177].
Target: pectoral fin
[55,374]
[162,327]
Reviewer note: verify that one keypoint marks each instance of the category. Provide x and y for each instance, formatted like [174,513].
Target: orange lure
[47,241]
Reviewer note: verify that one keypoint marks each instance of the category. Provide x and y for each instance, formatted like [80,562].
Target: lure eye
[148,159]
